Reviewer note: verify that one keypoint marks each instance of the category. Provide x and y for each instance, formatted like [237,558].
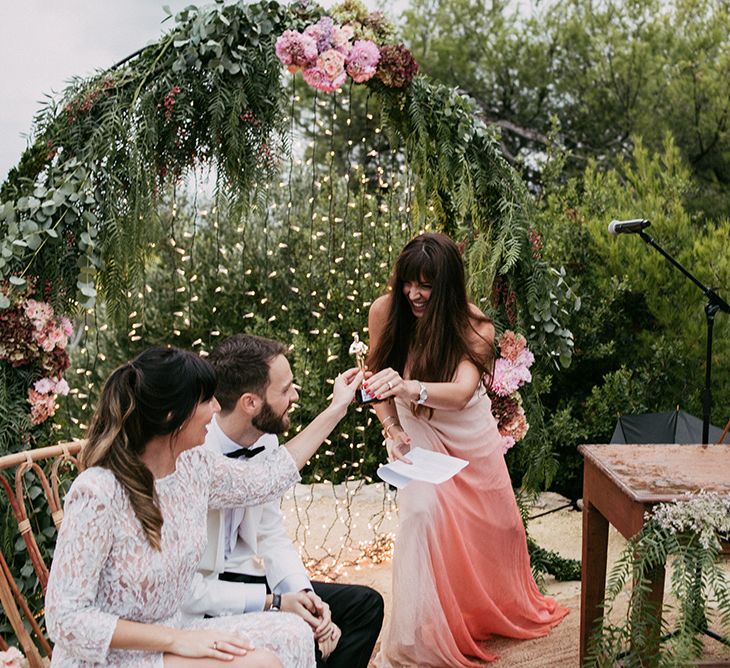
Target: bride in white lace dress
[134,526]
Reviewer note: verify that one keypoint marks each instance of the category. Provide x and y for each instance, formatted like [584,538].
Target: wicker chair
[45,466]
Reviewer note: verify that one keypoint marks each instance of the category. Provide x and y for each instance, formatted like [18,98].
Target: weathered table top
[658,473]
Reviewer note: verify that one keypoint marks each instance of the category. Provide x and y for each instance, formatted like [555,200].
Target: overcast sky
[43,43]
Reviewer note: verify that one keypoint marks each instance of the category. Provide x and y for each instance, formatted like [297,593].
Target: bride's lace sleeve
[84,540]
[249,482]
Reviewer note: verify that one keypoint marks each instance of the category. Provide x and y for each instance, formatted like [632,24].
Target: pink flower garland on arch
[325,54]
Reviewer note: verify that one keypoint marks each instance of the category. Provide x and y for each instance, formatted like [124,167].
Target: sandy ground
[344,533]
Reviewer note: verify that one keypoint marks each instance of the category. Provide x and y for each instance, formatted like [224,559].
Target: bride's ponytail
[151,396]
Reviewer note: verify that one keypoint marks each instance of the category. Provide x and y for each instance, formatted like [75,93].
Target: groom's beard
[269,422]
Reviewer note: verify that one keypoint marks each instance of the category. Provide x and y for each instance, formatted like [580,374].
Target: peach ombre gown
[461,571]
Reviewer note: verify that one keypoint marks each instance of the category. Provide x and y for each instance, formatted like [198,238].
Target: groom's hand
[300,604]
[325,627]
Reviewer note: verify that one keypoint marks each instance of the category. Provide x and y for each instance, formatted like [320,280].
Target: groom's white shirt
[250,540]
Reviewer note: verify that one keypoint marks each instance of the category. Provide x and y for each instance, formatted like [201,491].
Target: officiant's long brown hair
[435,344]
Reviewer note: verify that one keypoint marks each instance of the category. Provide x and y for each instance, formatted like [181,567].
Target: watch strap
[275,603]
[422,393]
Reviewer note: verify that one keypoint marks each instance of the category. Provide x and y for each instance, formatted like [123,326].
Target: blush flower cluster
[511,372]
[31,335]
[326,53]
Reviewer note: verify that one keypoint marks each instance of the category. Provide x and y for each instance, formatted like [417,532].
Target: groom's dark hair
[242,365]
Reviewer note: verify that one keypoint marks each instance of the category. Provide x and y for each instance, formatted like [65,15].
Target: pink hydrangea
[295,50]
[321,33]
[509,377]
[62,387]
[507,443]
[44,386]
[329,73]
[362,62]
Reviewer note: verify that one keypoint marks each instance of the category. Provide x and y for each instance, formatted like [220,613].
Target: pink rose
[332,63]
[316,78]
[511,344]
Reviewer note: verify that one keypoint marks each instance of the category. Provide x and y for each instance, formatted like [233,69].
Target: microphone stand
[714,304]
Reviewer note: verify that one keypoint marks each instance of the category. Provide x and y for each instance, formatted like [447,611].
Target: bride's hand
[388,383]
[213,643]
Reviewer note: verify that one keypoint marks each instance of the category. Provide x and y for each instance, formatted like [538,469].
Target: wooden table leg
[593,575]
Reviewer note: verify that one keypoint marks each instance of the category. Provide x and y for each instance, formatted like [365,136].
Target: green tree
[608,71]
[640,334]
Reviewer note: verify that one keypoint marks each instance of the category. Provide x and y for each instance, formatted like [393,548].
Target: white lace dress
[104,569]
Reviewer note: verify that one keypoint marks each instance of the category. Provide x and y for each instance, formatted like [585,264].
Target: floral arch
[318,179]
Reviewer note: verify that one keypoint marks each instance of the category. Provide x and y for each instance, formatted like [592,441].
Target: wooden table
[620,483]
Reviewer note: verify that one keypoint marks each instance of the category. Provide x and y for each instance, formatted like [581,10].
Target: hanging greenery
[79,213]
[686,536]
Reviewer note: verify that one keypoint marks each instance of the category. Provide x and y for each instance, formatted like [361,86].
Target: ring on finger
[390,385]
[215,644]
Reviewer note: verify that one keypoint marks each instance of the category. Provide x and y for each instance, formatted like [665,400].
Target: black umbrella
[671,427]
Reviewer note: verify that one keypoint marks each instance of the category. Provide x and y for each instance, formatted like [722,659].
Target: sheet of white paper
[427,466]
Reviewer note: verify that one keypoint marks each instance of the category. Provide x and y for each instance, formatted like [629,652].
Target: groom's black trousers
[356,609]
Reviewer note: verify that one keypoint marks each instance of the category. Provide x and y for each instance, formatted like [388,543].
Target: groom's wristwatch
[422,393]
[275,603]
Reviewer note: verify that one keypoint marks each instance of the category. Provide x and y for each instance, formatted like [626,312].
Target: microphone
[625,226]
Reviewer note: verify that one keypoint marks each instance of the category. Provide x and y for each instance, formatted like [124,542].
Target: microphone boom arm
[711,295]
[714,304]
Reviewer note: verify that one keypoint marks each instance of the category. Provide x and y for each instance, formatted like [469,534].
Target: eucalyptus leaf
[86,289]
[34,241]
[17,280]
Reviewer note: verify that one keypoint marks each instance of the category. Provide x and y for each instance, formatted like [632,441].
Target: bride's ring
[215,644]
[390,385]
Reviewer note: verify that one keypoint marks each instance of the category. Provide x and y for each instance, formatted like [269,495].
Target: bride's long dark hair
[153,395]
[436,343]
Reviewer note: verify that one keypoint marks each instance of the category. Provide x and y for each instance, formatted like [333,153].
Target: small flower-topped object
[360,349]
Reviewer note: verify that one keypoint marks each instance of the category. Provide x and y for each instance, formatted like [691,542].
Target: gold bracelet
[395,424]
[389,417]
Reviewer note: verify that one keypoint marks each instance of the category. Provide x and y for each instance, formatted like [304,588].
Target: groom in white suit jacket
[250,563]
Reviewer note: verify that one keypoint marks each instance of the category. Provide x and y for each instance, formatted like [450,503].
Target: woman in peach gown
[461,570]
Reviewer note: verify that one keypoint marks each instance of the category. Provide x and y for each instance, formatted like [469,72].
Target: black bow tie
[245,452]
